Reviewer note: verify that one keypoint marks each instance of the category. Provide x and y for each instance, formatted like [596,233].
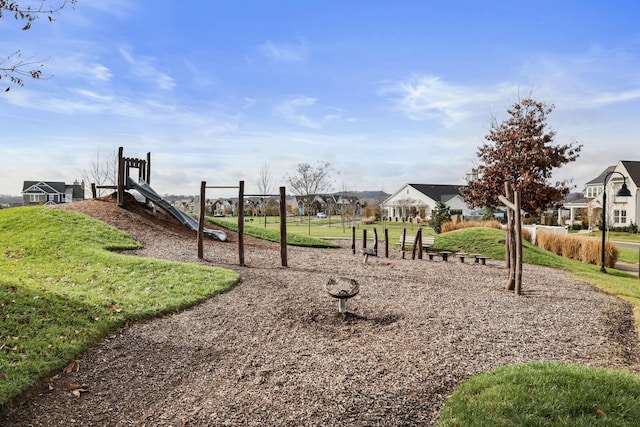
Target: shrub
[439,216]
[587,250]
[633,228]
[368,220]
[450,226]
[550,242]
[571,247]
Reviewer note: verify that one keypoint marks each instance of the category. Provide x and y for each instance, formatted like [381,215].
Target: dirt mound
[134,217]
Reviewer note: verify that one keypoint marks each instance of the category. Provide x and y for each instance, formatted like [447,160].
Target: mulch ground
[275,351]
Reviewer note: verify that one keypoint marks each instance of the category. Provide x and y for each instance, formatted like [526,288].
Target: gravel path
[275,350]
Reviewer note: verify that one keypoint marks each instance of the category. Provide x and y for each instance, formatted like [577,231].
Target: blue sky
[387,92]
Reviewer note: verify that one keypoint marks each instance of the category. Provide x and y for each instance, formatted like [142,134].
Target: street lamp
[623,192]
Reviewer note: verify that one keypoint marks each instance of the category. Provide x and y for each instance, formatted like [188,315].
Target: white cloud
[291,110]
[428,97]
[100,72]
[593,79]
[305,111]
[283,52]
[143,67]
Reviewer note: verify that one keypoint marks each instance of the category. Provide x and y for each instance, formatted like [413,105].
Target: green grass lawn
[327,227]
[272,233]
[62,288]
[545,394]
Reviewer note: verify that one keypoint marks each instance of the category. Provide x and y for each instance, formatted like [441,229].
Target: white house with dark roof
[51,192]
[418,200]
[621,211]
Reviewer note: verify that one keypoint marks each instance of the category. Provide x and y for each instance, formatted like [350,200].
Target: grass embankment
[62,288]
[545,394]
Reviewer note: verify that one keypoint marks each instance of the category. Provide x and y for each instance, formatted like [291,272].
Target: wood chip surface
[275,350]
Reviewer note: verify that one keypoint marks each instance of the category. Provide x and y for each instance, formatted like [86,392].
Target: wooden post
[283,227]
[353,240]
[518,243]
[415,243]
[419,242]
[404,236]
[510,254]
[203,190]
[386,242]
[121,178]
[375,240]
[514,238]
[147,177]
[94,193]
[364,238]
[241,223]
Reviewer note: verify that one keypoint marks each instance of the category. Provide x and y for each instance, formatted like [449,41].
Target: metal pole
[604,225]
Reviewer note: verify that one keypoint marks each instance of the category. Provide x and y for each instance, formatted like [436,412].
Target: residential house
[221,207]
[329,204]
[308,204]
[621,211]
[257,205]
[416,201]
[347,204]
[577,210]
[253,206]
[51,192]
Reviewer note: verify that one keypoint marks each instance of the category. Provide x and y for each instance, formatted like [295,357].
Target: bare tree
[265,183]
[14,67]
[265,180]
[308,181]
[103,170]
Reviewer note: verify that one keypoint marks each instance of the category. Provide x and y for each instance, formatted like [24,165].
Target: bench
[409,241]
[443,254]
[480,259]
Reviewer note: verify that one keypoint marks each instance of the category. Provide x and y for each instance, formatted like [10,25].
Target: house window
[593,192]
[34,198]
[620,216]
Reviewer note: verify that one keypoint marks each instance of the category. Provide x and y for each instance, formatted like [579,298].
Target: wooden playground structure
[125,164]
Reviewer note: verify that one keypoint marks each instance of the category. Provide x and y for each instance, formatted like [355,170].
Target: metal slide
[144,189]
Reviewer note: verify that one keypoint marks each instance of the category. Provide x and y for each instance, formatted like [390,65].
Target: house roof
[50,187]
[78,191]
[600,178]
[438,192]
[633,168]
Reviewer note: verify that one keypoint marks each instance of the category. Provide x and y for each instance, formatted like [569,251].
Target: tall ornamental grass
[584,249]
